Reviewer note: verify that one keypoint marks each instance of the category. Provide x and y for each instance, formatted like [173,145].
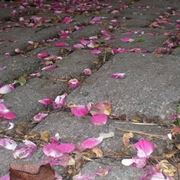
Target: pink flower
[60,101]
[46,101]
[79,110]
[73,83]
[27,150]
[6,88]
[90,143]
[8,143]
[99,119]
[42,55]
[144,148]
[40,116]
[118,75]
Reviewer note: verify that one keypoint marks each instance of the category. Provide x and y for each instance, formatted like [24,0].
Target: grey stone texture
[151,86]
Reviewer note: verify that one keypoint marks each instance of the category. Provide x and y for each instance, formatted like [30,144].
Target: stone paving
[149,93]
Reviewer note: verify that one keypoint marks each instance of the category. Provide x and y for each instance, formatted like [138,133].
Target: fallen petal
[60,101]
[144,148]
[42,55]
[8,143]
[118,75]
[40,116]
[79,110]
[73,83]
[27,150]
[6,89]
[90,143]
[46,101]
[99,119]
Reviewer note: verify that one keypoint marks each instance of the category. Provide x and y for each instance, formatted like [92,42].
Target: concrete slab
[151,86]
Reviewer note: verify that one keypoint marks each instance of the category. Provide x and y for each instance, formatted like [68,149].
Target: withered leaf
[31,172]
[127,137]
[167,168]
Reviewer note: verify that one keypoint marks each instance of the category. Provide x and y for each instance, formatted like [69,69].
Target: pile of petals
[99,111]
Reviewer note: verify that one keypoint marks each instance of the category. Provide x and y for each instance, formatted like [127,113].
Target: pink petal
[90,143]
[49,67]
[9,115]
[84,177]
[66,147]
[46,101]
[67,20]
[78,46]
[60,101]
[137,162]
[126,39]
[27,150]
[8,143]
[40,116]
[118,75]
[99,119]
[6,88]
[144,148]
[79,110]
[5,177]
[87,71]
[73,83]
[96,51]
[60,44]
[42,55]
[51,150]
[101,108]
[119,51]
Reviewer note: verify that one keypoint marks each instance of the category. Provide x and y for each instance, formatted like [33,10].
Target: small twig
[142,133]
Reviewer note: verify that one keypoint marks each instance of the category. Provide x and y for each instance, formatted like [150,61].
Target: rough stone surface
[151,86]
[17,66]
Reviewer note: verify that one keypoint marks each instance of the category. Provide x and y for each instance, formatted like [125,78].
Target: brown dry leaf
[176,130]
[45,136]
[178,146]
[169,155]
[167,168]
[31,172]
[32,135]
[127,137]
[98,152]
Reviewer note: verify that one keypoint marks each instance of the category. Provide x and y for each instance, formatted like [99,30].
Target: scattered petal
[8,143]
[144,148]
[118,75]
[46,101]
[6,89]
[42,55]
[127,39]
[27,150]
[79,110]
[60,101]
[87,71]
[40,116]
[99,119]
[73,83]
[90,143]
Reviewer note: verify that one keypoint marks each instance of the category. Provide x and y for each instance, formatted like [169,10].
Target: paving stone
[24,100]
[151,86]
[176,52]
[5,13]
[143,38]
[73,64]
[16,66]
[73,129]
[27,34]
[117,172]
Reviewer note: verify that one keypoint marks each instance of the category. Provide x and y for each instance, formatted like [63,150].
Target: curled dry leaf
[167,168]
[127,137]
[98,152]
[31,171]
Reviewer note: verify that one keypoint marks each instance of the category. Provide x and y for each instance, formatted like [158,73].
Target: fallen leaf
[127,137]
[167,168]
[31,171]
[98,152]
